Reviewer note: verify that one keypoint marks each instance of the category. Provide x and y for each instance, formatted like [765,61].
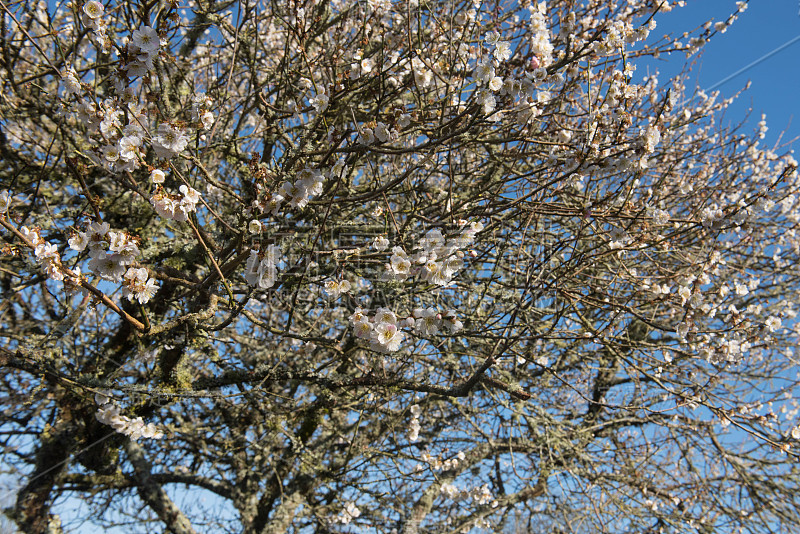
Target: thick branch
[153,494]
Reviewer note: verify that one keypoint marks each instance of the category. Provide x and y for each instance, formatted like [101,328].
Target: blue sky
[764,27]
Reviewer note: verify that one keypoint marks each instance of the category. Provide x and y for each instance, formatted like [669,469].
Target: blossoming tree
[387,266]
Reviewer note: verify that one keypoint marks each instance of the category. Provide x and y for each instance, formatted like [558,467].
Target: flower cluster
[71,83]
[423,76]
[541,46]
[502,49]
[399,265]
[201,104]
[381,133]
[437,464]
[136,284]
[361,65]
[449,490]
[429,321]
[650,138]
[142,49]
[414,426]
[481,496]
[712,217]
[437,259]
[111,251]
[48,257]
[485,73]
[660,217]
[267,202]
[619,33]
[176,207]
[308,184]
[490,84]
[349,513]
[170,141]
[109,414]
[381,330]
[334,288]
[117,146]
[122,148]
[261,269]
[92,18]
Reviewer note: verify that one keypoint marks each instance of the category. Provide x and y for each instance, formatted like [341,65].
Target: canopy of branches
[410,266]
